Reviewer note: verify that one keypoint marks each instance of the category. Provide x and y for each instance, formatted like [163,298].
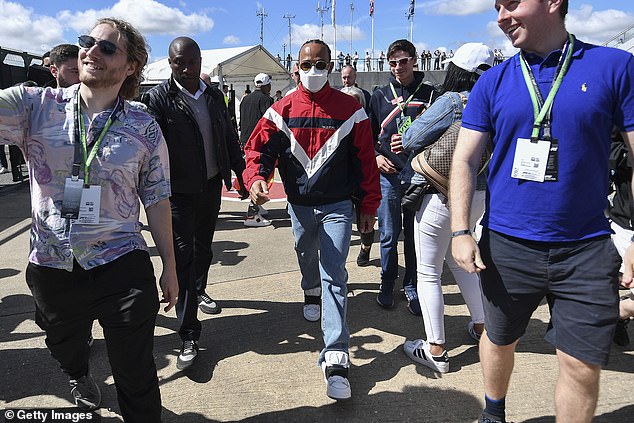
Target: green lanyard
[403,106]
[546,106]
[88,157]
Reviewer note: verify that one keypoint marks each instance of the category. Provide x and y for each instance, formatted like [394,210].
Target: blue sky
[35,26]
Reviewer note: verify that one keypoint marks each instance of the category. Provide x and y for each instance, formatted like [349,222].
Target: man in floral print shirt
[92,156]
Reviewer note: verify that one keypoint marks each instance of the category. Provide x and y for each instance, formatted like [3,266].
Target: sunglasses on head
[401,62]
[319,65]
[106,47]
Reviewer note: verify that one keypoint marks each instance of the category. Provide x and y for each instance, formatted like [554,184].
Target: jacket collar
[318,96]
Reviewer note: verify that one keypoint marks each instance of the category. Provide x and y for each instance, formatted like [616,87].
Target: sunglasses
[401,62]
[319,65]
[106,47]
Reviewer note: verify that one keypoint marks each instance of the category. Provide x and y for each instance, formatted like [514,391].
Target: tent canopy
[235,63]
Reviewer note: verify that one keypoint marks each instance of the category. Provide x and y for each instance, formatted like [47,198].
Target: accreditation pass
[530,160]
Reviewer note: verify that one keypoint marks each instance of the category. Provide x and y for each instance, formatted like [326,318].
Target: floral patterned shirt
[131,163]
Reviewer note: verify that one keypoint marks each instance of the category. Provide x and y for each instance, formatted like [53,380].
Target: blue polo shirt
[596,93]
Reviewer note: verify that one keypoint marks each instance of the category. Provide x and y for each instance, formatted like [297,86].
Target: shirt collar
[196,96]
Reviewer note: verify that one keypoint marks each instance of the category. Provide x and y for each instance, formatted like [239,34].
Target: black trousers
[123,297]
[194,219]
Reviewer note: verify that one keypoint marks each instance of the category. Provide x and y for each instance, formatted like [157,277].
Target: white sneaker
[256,221]
[419,351]
[4,169]
[263,211]
[335,369]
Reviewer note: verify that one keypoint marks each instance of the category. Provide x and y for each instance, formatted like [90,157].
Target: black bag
[413,196]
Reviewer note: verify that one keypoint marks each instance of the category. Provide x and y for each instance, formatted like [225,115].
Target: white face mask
[313,80]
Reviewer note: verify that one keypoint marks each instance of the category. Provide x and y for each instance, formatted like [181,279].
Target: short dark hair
[63,52]
[317,41]
[403,45]
[137,50]
[563,10]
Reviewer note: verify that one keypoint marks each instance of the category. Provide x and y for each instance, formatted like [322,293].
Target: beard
[104,79]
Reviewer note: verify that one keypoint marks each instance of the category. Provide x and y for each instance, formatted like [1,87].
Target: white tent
[236,65]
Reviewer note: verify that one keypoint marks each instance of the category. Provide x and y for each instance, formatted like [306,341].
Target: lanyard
[543,109]
[403,106]
[80,140]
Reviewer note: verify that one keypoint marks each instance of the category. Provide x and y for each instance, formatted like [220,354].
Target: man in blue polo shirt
[550,110]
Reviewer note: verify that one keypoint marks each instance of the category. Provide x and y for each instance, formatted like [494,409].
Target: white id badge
[530,160]
[90,205]
[72,198]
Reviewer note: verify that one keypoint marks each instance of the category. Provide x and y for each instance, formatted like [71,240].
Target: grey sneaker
[208,305]
[85,392]
[188,354]
[312,307]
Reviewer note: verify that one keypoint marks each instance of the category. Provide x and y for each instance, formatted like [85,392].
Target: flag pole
[372,61]
[334,27]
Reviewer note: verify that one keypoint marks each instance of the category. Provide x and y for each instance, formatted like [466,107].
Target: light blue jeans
[322,240]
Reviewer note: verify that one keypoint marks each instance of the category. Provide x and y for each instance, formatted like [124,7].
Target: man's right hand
[385,165]
[467,254]
[259,192]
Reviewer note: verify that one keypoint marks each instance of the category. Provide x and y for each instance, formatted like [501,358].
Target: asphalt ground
[258,358]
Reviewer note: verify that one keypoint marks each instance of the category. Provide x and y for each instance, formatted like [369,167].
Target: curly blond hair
[137,50]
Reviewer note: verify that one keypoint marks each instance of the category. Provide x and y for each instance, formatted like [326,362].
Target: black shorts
[579,279]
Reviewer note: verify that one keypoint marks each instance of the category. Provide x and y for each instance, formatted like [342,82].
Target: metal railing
[621,38]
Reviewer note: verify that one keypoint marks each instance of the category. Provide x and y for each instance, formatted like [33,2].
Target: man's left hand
[169,286]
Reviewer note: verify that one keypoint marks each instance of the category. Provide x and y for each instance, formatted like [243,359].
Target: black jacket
[188,171]
[252,108]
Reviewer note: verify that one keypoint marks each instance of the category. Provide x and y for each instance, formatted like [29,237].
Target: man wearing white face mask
[322,140]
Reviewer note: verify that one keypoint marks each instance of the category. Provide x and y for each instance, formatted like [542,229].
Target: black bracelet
[460,233]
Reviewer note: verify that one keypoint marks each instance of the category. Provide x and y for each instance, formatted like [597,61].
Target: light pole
[261,14]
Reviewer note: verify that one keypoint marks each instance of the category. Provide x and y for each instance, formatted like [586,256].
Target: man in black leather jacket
[203,149]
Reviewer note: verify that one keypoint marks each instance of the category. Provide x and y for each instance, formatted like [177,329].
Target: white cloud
[455,7]
[597,26]
[148,16]
[587,24]
[24,30]
[231,40]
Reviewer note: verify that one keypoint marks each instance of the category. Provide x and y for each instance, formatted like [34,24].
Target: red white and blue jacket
[322,143]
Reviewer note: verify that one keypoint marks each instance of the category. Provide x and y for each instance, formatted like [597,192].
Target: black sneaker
[363,259]
[413,305]
[386,294]
[489,418]
[206,304]
[620,334]
[188,354]
[85,392]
